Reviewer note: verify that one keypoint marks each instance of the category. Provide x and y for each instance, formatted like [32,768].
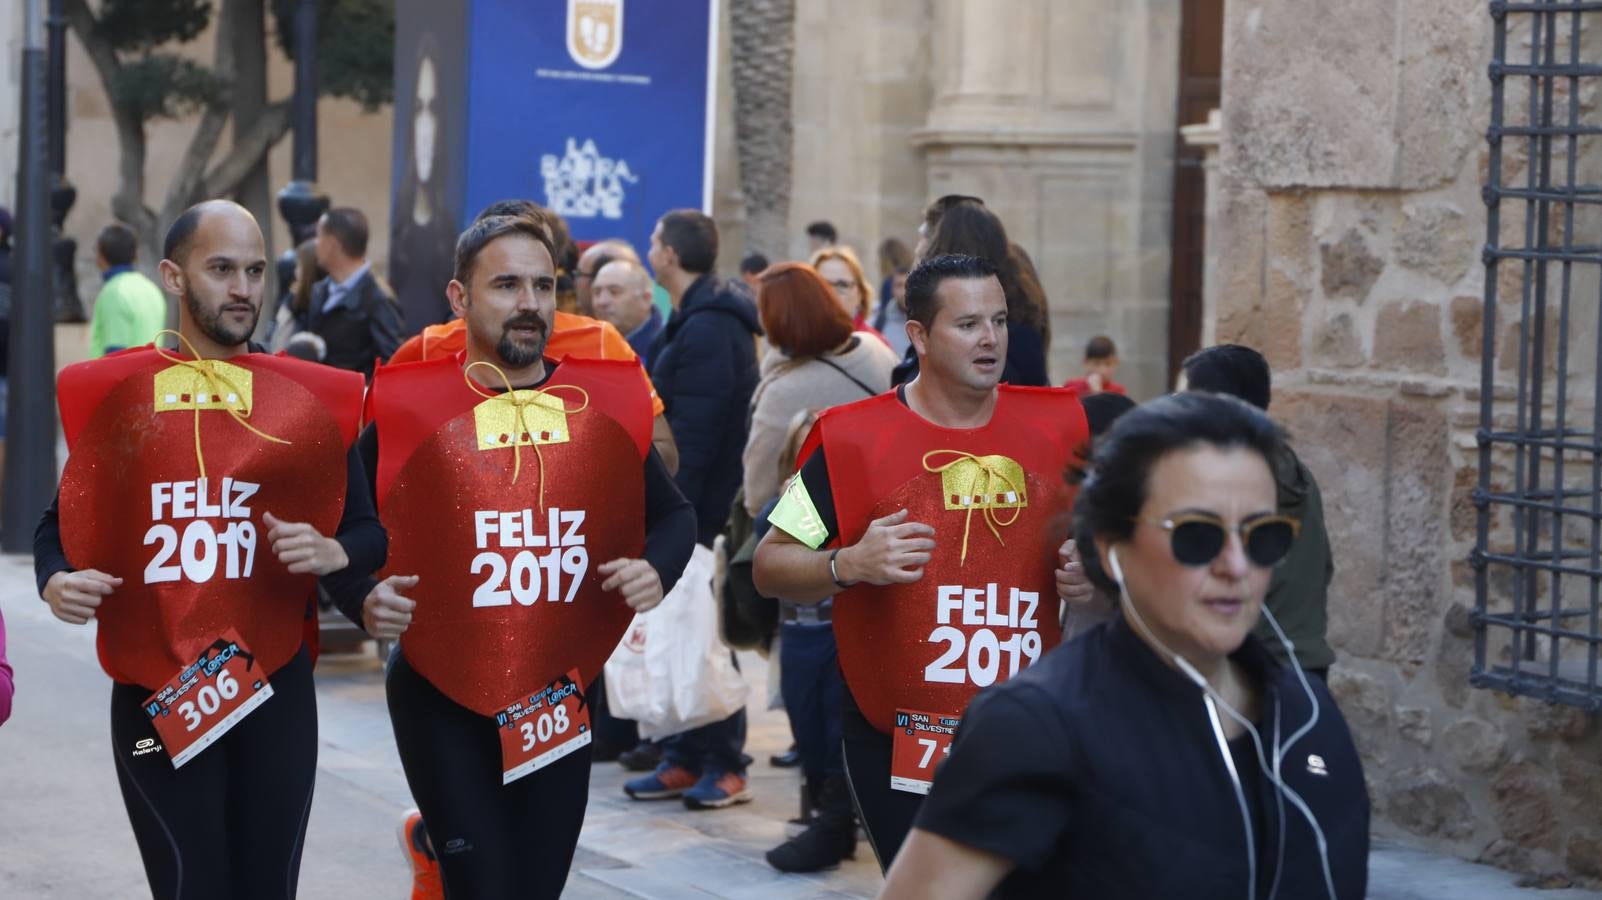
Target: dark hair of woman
[894,256]
[973,230]
[307,274]
[799,311]
[1115,490]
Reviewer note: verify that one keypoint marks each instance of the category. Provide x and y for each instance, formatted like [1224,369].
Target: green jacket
[1298,594]
[128,312]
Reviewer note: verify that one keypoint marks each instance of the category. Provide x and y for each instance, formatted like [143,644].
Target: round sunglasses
[1197,538]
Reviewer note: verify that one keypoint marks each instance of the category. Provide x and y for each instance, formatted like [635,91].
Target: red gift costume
[986,606]
[172,463]
[505,505]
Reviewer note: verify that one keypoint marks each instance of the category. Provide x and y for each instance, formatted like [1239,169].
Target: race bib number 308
[548,725]
[922,741]
[206,699]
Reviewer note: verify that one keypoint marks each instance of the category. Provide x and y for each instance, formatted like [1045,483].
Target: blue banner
[601,110]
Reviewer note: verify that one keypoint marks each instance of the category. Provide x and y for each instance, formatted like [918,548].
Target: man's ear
[172,277]
[456,292]
[919,336]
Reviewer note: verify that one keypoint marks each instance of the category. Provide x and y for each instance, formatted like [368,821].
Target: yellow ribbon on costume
[217,383]
[519,404]
[990,473]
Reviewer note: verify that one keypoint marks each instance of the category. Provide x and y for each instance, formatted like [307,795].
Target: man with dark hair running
[934,514]
[530,519]
[244,463]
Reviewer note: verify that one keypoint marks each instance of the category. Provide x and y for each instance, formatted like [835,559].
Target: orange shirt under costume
[577,336]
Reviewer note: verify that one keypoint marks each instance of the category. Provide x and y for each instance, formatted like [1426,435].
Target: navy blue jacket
[704,366]
[642,338]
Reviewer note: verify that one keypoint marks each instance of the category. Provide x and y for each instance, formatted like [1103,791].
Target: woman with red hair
[817,361]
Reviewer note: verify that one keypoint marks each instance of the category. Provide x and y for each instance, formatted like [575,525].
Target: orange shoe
[666,782]
[425,866]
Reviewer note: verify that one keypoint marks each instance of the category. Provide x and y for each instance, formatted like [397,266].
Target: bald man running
[192,522]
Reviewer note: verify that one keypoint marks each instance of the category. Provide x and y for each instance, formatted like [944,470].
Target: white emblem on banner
[585,184]
[594,32]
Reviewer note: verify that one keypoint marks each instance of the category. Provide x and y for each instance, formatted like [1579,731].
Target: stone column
[1060,115]
[1207,136]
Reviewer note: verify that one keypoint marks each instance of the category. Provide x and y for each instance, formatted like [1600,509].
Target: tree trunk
[128,202]
[763,51]
[250,99]
[185,189]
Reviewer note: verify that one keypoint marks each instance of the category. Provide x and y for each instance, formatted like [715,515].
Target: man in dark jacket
[352,310]
[1298,595]
[705,369]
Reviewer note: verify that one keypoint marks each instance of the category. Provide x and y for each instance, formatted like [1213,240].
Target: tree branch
[248,151]
[128,203]
[186,184]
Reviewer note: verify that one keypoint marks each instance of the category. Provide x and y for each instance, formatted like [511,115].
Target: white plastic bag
[672,672]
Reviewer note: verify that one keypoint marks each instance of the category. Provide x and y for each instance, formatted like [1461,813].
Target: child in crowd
[1101,362]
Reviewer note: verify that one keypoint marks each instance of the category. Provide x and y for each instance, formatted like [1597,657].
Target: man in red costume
[936,514]
[531,518]
[192,523]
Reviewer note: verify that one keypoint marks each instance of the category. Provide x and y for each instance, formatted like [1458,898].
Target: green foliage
[163,85]
[355,47]
[147,24]
[355,38]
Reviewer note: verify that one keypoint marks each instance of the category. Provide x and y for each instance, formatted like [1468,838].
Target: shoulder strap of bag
[854,380]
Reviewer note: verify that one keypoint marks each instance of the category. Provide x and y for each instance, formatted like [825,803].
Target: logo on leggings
[457,845]
[146,745]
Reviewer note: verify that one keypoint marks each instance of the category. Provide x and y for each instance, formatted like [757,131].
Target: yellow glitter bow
[217,383]
[991,474]
[519,404]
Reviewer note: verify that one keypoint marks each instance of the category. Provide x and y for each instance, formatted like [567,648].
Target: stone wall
[1346,238]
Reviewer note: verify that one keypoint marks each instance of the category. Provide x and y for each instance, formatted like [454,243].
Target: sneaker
[667,782]
[643,758]
[789,759]
[716,790]
[425,866]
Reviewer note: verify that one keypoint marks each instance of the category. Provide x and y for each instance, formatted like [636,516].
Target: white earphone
[1214,701]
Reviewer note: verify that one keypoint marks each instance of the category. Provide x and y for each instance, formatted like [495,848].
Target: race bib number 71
[922,741]
[206,699]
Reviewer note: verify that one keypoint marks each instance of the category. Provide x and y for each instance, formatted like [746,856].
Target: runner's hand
[385,613]
[636,579]
[892,551]
[300,547]
[1072,583]
[74,596]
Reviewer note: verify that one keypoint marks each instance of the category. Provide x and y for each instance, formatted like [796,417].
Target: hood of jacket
[709,295]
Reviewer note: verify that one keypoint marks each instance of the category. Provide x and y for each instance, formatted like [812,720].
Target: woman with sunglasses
[1164,754]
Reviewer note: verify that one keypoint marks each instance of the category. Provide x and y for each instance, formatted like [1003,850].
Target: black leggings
[232,821]
[887,814]
[493,841]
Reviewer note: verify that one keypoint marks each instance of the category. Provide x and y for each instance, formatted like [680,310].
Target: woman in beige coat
[817,361]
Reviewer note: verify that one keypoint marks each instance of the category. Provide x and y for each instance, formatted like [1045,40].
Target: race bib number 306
[206,699]
[922,741]
[550,724]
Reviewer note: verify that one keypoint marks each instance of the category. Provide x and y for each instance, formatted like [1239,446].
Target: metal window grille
[1538,548]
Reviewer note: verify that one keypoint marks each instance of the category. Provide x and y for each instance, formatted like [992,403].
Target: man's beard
[516,355]
[211,324]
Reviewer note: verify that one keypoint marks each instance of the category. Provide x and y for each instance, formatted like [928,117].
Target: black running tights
[232,821]
[492,841]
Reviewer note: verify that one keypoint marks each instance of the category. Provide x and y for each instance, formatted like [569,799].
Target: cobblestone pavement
[65,836]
